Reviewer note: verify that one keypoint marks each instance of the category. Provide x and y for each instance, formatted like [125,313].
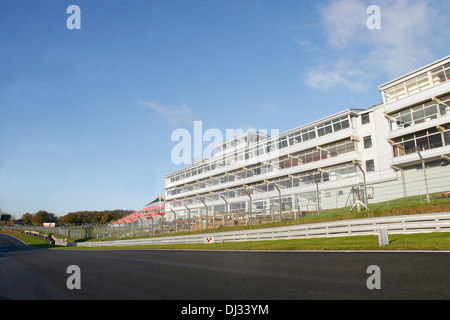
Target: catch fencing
[405,224]
[412,185]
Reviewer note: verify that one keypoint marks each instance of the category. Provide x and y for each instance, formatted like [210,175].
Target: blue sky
[86,116]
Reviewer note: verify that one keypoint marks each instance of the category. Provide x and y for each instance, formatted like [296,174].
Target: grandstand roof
[160,198]
[146,212]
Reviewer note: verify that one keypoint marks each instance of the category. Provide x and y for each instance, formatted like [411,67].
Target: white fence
[405,224]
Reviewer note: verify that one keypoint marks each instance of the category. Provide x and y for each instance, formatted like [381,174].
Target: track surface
[40,274]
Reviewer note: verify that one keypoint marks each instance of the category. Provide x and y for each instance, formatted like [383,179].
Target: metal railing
[405,224]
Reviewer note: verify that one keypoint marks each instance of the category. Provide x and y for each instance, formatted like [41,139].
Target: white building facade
[375,153]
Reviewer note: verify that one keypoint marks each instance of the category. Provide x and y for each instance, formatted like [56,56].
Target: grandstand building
[356,156]
[153,210]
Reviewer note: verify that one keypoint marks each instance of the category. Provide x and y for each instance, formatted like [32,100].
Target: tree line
[75,218]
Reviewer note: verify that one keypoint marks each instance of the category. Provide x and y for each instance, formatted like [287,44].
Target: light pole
[142,224]
[206,226]
[149,217]
[279,199]
[317,194]
[161,222]
[189,217]
[250,203]
[226,209]
[175,219]
[366,200]
[424,174]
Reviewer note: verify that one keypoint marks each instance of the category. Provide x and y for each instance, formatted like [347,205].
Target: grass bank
[29,239]
[403,206]
[424,241]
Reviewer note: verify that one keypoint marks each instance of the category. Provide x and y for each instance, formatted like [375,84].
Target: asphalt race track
[41,274]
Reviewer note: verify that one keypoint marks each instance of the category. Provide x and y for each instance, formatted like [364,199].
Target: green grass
[425,241]
[403,206]
[29,239]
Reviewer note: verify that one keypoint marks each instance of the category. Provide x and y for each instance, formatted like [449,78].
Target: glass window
[283,143]
[445,107]
[447,138]
[411,86]
[409,146]
[270,147]
[447,71]
[321,131]
[418,114]
[332,149]
[316,155]
[367,142]
[399,149]
[352,172]
[341,149]
[337,126]
[241,174]
[389,95]
[438,75]
[305,135]
[370,166]
[308,134]
[430,111]
[345,123]
[294,139]
[351,146]
[328,128]
[422,141]
[423,82]
[435,140]
[400,91]
[365,118]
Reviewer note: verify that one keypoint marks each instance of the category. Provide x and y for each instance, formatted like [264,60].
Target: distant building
[154,209]
[382,146]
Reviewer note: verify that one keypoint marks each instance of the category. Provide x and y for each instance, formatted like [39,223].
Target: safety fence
[412,185]
[405,224]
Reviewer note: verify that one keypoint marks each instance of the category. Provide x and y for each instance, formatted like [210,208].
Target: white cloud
[354,55]
[343,72]
[343,20]
[175,116]
[266,106]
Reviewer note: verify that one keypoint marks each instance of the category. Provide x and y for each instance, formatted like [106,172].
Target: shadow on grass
[82,240]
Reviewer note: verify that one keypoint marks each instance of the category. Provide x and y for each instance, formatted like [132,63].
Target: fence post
[175,219]
[383,238]
[206,226]
[226,209]
[279,200]
[366,200]
[317,194]
[250,203]
[424,174]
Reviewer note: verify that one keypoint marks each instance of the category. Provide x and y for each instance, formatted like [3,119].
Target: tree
[71,218]
[93,217]
[39,218]
[42,216]
[26,218]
